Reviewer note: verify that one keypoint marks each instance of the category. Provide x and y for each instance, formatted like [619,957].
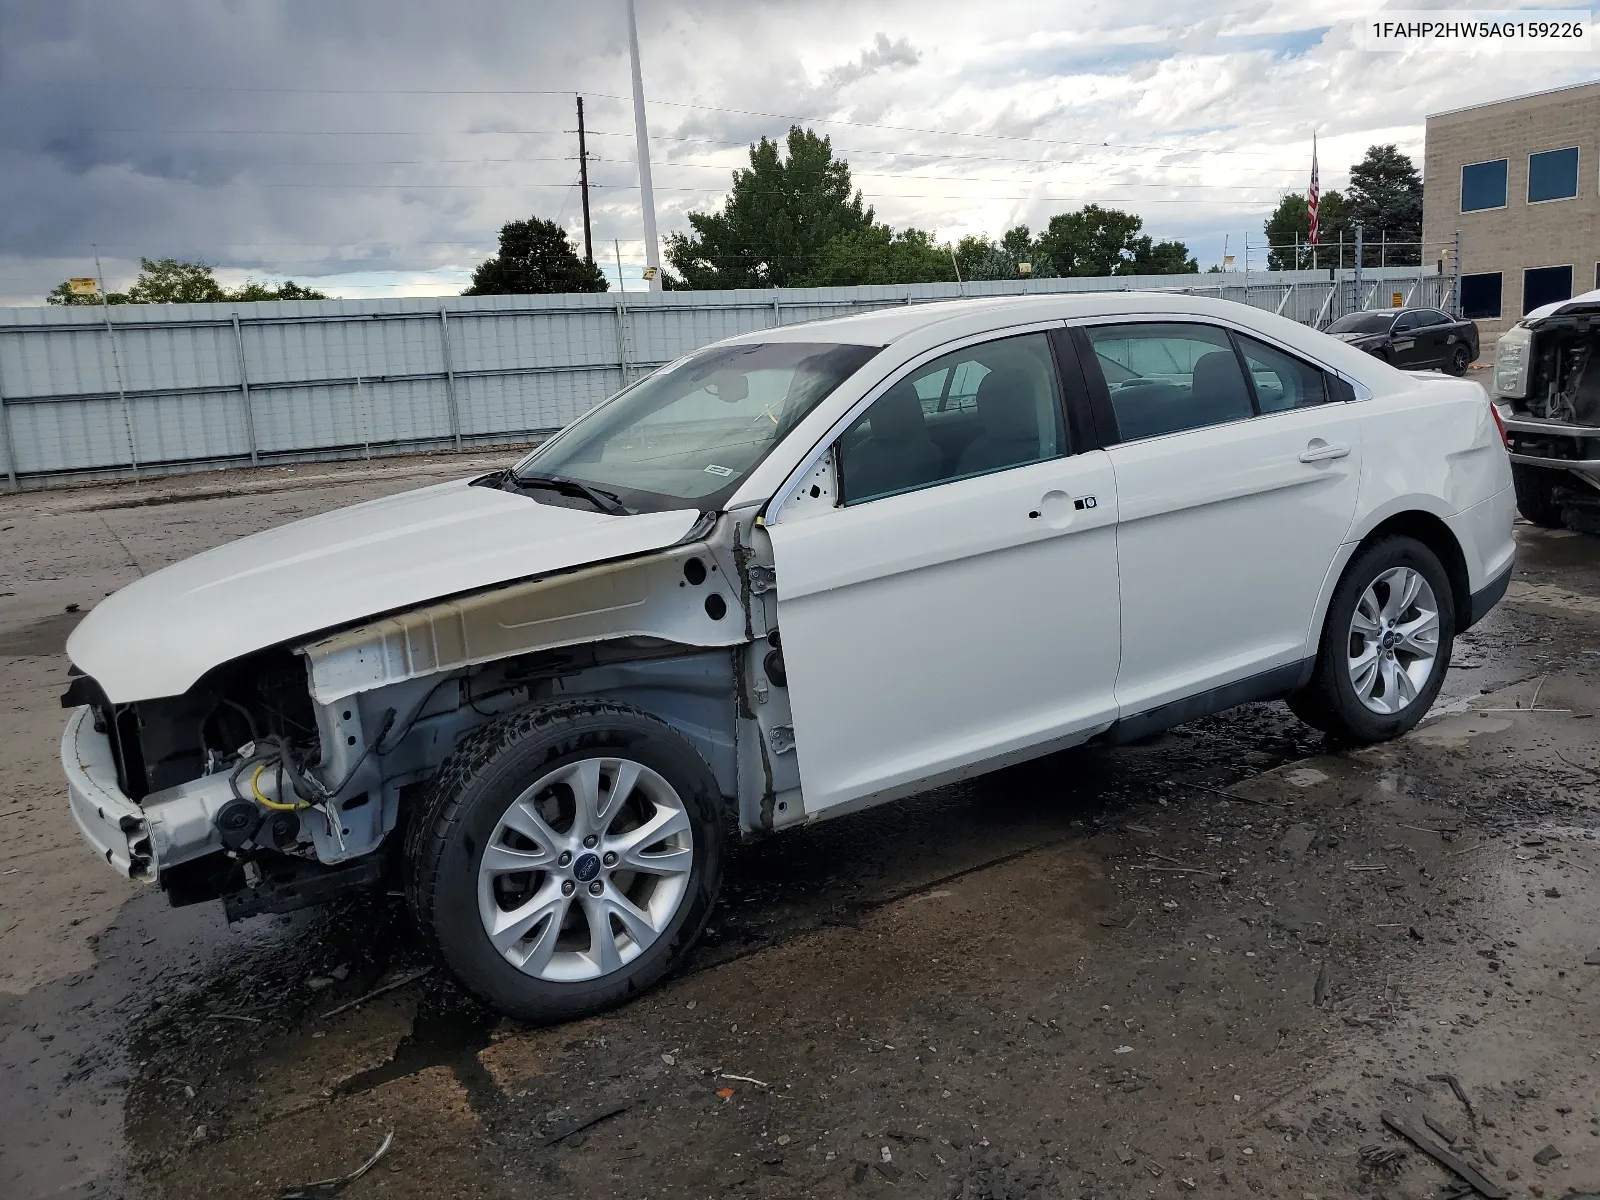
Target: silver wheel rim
[585,870]
[1394,640]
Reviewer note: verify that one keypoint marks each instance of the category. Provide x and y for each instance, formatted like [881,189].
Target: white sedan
[795,573]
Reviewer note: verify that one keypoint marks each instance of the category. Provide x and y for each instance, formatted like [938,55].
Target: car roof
[884,326]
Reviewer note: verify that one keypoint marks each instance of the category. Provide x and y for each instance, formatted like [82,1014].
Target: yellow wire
[255,786]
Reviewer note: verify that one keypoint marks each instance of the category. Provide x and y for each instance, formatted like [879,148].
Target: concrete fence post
[244,392]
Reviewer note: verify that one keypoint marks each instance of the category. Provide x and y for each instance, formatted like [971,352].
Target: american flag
[1316,192]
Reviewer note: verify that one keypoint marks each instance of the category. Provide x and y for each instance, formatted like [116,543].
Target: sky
[375,147]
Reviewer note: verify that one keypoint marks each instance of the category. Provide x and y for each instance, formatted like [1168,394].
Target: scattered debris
[72,608]
[403,981]
[1379,1160]
[1440,1128]
[1214,1153]
[571,1125]
[1547,1156]
[747,1079]
[1593,960]
[725,1093]
[1461,1095]
[234,1017]
[332,1187]
[1452,1162]
[1319,990]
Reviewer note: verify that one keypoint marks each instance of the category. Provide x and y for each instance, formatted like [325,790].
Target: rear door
[959,606]
[1236,470]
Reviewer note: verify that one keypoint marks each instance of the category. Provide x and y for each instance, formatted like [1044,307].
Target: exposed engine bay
[285,777]
[1564,376]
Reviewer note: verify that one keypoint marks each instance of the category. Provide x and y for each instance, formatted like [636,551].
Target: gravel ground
[1206,963]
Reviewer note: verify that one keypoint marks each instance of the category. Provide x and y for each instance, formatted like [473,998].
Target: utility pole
[641,134]
[583,184]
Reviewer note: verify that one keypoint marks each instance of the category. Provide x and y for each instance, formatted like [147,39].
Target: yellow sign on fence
[82,287]
[1395,300]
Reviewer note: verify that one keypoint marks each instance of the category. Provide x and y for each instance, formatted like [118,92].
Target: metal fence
[156,389]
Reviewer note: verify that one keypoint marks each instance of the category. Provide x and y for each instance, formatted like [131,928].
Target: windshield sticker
[713,469]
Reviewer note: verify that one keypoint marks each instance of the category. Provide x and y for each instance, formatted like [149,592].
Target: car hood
[1588,302]
[1359,337]
[156,637]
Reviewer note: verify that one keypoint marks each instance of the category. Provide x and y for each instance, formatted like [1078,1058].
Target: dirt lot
[1202,964]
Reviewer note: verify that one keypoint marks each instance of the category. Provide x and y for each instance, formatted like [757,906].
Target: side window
[1433,317]
[980,409]
[1282,381]
[1406,322]
[1164,378]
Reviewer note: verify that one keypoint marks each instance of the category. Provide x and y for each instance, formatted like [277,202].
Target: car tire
[1460,359]
[1344,698]
[508,789]
[1539,493]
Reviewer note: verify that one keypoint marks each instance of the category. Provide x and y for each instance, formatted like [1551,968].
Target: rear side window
[1164,378]
[1281,381]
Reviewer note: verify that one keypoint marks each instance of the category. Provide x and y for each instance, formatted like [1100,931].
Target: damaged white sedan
[795,573]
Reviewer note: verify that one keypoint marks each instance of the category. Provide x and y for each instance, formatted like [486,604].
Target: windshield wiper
[606,502]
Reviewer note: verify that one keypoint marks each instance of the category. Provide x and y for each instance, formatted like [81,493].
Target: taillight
[1500,424]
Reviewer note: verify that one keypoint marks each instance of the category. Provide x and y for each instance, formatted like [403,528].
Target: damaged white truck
[1547,372]
[795,573]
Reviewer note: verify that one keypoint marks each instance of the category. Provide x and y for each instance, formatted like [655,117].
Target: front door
[959,607]
[1236,484]
[1408,346]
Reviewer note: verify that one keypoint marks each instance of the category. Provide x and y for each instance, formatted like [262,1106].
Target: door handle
[1321,451]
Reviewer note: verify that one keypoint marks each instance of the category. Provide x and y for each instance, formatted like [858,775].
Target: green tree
[1386,197]
[287,290]
[536,258]
[981,258]
[1096,241]
[877,254]
[779,215]
[172,281]
[1291,220]
[63,294]
[1157,258]
[1090,241]
[169,281]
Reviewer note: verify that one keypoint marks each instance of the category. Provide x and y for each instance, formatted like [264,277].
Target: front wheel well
[1436,536]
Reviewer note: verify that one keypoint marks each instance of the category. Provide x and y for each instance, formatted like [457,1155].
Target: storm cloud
[375,146]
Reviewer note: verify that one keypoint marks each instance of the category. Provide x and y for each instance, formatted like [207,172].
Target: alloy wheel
[1393,645]
[585,869]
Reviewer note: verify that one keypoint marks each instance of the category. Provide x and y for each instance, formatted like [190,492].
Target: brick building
[1520,179]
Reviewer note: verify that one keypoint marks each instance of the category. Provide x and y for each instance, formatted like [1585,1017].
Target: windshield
[1368,322]
[689,434]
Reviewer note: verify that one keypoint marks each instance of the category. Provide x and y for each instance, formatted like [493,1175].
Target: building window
[1545,285]
[1483,185]
[1480,297]
[1553,175]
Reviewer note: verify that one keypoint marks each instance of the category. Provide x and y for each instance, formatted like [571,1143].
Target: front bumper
[110,822]
[1533,430]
